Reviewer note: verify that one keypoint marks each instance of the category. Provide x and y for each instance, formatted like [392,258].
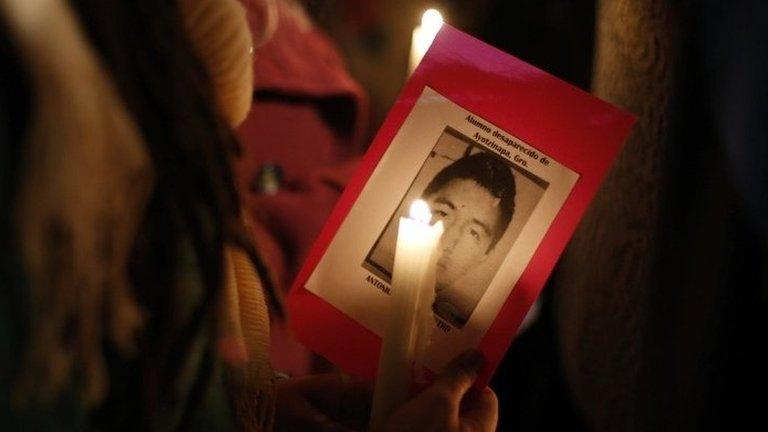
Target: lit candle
[423,35]
[413,285]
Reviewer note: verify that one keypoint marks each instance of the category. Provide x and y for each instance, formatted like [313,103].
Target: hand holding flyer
[507,158]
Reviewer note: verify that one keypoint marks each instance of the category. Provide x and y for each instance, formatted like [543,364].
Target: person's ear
[487,253]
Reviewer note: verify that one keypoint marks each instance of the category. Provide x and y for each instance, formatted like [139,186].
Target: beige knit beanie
[218,30]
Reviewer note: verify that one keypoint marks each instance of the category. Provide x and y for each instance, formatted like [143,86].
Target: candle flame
[423,35]
[420,212]
[431,21]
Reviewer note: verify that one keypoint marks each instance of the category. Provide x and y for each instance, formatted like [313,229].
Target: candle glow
[432,20]
[420,212]
[423,35]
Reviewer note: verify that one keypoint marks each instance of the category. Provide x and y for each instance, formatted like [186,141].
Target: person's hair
[193,210]
[490,173]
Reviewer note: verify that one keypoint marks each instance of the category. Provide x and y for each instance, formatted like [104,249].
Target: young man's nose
[450,237]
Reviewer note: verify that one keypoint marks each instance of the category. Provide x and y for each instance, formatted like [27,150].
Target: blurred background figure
[300,143]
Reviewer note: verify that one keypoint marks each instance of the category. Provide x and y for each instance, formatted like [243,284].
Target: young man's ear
[484,256]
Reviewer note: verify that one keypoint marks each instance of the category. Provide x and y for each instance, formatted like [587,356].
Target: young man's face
[469,214]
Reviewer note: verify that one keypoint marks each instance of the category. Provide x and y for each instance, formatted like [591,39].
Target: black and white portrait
[483,201]
[496,194]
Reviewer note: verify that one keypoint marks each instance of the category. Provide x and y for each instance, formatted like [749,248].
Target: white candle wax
[412,281]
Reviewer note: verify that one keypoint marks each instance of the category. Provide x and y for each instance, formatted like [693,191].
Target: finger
[339,396]
[356,402]
[459,375]
[480,412]
[304,416]
[321,422]
[325,391]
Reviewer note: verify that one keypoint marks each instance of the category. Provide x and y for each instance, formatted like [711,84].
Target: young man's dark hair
[491,174]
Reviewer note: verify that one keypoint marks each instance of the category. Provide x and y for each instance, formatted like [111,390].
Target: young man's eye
[475,234]
[440,213]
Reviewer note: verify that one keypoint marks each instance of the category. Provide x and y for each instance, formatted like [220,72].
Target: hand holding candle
[413,284]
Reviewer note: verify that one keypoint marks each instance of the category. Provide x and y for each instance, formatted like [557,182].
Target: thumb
[480,411]
[458,376]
